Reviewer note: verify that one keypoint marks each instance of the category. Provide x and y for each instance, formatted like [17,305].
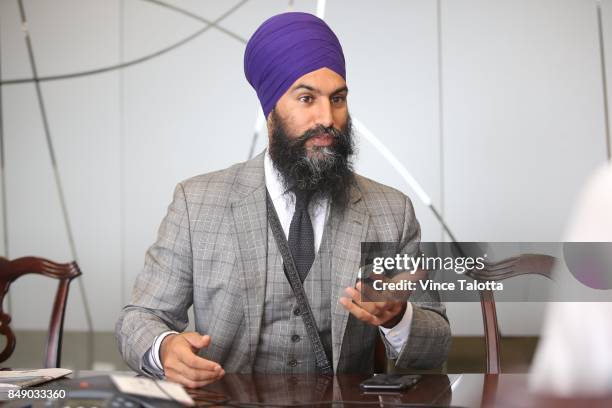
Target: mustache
[318,131]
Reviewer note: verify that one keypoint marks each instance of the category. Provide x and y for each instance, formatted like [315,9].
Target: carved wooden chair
[9,272]
[520,265]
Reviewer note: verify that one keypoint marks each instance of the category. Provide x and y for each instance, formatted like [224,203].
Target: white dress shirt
[284,204]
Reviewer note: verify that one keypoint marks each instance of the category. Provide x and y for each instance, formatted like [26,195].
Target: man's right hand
[181,363]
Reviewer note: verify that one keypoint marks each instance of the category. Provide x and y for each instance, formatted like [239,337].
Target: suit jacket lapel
[350,230]
[250,239]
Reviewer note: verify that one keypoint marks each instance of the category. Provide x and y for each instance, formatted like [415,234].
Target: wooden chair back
[507,268]
[521,265]
[9,272]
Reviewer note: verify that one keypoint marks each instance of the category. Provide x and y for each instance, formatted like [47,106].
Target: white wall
[501,125]
[523,126]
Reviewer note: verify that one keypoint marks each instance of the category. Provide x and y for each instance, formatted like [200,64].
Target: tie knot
[302,198]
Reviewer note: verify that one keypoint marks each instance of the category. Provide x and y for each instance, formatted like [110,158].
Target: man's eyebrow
[313,89]
[304,86]
[341,89]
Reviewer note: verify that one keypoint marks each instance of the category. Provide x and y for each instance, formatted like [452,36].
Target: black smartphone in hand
[390,382]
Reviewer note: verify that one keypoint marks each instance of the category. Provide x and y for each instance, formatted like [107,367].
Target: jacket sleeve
[429,341]
[163,291]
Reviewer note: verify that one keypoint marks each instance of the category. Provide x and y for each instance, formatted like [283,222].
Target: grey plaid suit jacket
[211,252]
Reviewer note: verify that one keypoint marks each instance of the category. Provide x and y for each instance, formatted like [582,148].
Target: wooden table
[466,390]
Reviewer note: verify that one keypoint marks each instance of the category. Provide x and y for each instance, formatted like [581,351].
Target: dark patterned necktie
[301,235]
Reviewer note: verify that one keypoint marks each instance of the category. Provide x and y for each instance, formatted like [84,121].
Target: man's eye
[338,99]
[305,98]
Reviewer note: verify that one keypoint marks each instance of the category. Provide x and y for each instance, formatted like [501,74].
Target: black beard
[327,173]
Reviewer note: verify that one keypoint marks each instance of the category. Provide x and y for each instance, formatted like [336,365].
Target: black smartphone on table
[390,382]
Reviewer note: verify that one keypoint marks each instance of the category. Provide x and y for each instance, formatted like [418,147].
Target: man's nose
[325,115]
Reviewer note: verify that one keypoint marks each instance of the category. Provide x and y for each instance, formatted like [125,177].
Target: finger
[375,308]
[178,377]
[361,293]
[196,362]
[196,374]
[368,294]
[383,311]
[355,296]
[359,312]
[196,340]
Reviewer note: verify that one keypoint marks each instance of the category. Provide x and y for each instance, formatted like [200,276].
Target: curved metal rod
[604,79]
[137,60]
[199,18]
[405,174]
[321,4]
[9,302]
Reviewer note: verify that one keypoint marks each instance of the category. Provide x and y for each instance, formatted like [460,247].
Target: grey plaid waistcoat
[284,346]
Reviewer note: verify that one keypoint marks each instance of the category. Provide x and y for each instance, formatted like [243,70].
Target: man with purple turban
[223,244]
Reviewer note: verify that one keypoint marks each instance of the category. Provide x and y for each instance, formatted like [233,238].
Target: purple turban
[286,47]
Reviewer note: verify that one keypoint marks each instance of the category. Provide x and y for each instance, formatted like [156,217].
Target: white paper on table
[24,378]
[149,388]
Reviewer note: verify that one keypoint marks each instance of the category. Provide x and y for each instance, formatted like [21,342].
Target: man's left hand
[386,314]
